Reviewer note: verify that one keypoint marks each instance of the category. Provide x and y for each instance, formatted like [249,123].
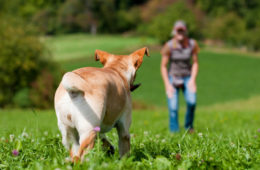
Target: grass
[223,140]
[67,47]
[227,119]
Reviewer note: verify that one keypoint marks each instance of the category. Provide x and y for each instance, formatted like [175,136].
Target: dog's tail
[73,83]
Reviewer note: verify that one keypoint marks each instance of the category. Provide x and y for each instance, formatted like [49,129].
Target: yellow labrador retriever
[92,97]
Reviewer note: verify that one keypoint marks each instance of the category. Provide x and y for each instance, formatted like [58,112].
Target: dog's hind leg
[122,127]
[74,137]
[89,116]
[69,136]
[87,136]
[64,133]
[107,146]
[87,141]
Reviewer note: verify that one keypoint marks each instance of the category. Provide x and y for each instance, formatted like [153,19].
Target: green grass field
[67,47]
[223,140]
[227,120]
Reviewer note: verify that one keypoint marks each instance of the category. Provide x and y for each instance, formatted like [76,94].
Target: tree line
[29,77]
[235,22]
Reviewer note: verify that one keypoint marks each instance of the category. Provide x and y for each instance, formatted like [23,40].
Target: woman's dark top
[180,56]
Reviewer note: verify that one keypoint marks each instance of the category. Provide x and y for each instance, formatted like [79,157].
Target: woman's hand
[169,90]
[192,86]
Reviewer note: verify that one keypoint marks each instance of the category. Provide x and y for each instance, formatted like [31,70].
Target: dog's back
[89,90]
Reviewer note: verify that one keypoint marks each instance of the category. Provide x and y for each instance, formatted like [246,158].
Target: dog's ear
[138,56]
[141,52]
[101,56]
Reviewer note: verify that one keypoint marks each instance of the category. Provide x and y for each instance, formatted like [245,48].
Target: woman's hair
[179,24]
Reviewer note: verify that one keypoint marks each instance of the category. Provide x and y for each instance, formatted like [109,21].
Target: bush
[22,59]
[128,20]
[45,21]
[161,26]
[253,38]
[41,94]
[229,28]
[72,16]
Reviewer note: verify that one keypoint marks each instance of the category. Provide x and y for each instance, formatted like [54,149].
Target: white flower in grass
[142,145]
[69,167]
[58,135]
[33,140]
[105,164]
[232,145]
[163,141]
[43,138]
[25,135]
[157,136]
[11,137]
[145,133]
[46,133]
[200,134]
[57,169]
[68,159]
[2,138]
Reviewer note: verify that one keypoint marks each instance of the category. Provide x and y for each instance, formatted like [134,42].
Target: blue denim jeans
[173,105]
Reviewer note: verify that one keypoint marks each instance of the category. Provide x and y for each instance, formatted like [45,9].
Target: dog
[93,97]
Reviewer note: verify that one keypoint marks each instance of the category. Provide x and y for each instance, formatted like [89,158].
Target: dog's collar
[133,87]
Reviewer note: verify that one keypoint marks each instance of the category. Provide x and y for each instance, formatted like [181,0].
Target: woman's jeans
[173,105]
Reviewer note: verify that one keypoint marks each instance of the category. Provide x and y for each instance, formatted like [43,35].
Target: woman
[181,55]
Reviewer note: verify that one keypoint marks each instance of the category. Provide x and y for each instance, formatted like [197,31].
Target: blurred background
[42,39]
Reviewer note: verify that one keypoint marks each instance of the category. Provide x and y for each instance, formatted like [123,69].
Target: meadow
[227,120]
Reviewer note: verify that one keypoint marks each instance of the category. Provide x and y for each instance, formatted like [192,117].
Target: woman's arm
[164,72]
[194,69]
[164,62]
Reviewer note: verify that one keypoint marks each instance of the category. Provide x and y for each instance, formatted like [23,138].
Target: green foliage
[66,16]
[221,7]
[128,20]
[234,21]
[113,16]
[238,20]
[22,59]
[72,16]
[22,99]
[229,28]
[45,21]
[161,26]
[43,88]
[252,38]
